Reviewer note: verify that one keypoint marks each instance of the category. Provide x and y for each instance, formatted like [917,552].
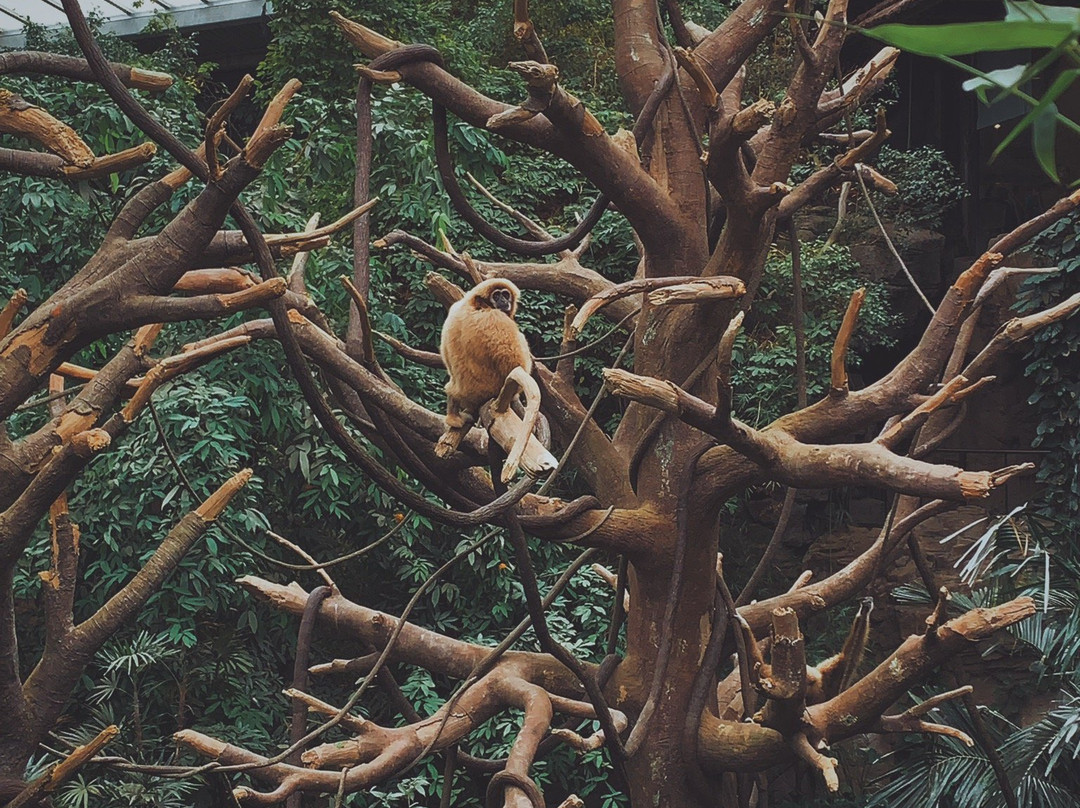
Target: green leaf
[1045,112]
[1043,135]
[1004,78]
[1028,10]
[958,39]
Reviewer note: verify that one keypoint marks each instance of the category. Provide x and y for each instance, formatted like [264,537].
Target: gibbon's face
[502,299]
[500,295]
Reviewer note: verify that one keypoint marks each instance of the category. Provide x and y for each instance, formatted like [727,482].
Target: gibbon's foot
[456,420]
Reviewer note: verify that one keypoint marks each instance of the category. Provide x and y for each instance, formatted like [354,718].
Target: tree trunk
[659,773]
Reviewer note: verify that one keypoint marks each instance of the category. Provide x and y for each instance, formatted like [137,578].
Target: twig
[217,123]
[797,314]
[750,587]
[891,246]
[838,366]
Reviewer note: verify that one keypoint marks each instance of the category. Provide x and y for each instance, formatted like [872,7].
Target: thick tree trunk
[13,754]
[659,774]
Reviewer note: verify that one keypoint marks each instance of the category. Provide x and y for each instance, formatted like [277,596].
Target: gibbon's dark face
[503,300]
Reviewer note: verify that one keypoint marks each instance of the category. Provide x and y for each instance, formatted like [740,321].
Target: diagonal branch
[49,685]
[812,187]
[19,117]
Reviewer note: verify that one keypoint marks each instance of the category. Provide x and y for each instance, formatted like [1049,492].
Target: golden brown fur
[480,345]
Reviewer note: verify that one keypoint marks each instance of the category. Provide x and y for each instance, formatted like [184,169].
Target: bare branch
[787,460]
[19,117]
[216,124]
[722,286]
[295,277]
[72,67]
[37,164]
[812,187]
[11,311]
[839,380]
[525,32]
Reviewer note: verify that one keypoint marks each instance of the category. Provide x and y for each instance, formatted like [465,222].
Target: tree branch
[72,67]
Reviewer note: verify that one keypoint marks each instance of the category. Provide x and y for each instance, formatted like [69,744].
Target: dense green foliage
[1052,368]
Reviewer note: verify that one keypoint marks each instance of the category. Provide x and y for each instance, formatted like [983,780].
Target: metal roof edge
[186,19]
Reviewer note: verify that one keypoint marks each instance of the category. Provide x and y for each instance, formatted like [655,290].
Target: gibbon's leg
[455,418]
[458,423]
[855,644]
[838,672]
[517,379]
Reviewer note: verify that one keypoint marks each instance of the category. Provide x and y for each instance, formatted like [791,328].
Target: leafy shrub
[928,186]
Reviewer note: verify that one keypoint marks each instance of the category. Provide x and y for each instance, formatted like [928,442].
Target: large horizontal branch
[783,458]
[414,645]
[73,67]
[142,309]
[374,754]
[439,85]
[50,166]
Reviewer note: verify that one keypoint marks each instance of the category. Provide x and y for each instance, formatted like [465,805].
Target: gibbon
[837,673]
[481,345]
